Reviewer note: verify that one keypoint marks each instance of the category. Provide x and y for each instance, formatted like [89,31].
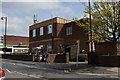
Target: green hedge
[82,57]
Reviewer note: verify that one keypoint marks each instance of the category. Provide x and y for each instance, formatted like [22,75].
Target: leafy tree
[105,21]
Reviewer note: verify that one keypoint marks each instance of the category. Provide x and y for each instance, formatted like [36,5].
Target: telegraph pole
[52,35]
[90,31]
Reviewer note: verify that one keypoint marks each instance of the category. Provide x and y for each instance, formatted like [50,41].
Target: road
[20,71]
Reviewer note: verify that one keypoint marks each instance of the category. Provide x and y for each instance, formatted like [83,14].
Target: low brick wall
[104,60]
[107,48]
[17,57]
[92,58]
[61,58]
[52,58]
[109,60]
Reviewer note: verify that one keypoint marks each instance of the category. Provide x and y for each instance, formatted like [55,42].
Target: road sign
[78,41]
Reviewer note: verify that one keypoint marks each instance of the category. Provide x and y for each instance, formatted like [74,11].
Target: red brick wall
[60,32]
[104,60]
[109,60]
[78,33]
[16,40]
[107,48]
[61,58]
[118,49]
[18,57]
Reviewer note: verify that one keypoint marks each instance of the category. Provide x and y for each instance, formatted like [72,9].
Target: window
[34,33]
[42,49]
[41,46]
[1,39]
[41,31]
[49,48]
[50,29]
[69,31]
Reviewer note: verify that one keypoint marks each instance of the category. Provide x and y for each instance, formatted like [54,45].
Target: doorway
[68,49]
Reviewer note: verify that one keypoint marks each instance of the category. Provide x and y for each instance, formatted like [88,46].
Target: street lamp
[2,18]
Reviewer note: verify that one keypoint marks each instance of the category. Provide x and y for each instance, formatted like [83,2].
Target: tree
[105,21]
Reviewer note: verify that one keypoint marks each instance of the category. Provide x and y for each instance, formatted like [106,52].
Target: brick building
[58,35]
[16,44]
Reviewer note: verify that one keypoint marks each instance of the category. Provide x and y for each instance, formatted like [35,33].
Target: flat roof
[50,21]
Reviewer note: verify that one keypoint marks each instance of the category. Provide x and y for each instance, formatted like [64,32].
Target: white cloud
[58,0]
[20,14]
[34,5]
[28,7]
[16,26]
[62,10]
[43,0]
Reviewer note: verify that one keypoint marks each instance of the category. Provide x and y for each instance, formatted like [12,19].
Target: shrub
[82,57]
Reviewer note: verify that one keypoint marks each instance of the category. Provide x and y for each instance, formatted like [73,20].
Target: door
[68,49]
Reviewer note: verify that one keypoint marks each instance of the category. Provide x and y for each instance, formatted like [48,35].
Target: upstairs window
[69,31]
[50,29]
[41,31]
[34,33]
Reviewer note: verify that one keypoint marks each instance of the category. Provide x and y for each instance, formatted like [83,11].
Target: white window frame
[34,33]
[50,29]
[69,30]
[41,31]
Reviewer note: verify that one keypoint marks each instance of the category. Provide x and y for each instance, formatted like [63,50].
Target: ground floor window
[49,48]
[41,46]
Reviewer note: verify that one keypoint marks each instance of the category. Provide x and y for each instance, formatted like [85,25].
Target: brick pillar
[67,57]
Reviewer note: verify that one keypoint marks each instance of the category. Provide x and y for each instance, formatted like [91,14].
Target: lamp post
[2,18]
[90,31]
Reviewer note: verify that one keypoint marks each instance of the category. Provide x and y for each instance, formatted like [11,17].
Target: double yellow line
[91,73]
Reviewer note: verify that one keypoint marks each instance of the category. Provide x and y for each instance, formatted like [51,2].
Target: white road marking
[114,76]
[33,75]
[27,66]
[39,75]
[20,64]
[12,63]
[34,67]
[10,71]
[21,73]
[23,65]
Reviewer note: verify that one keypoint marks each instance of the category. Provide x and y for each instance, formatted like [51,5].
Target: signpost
[78,51]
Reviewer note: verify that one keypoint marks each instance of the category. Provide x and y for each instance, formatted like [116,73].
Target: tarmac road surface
[23,70]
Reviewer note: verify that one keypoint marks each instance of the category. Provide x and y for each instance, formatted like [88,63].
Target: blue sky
[20,14]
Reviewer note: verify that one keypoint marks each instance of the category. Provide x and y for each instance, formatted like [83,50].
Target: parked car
[2,74]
